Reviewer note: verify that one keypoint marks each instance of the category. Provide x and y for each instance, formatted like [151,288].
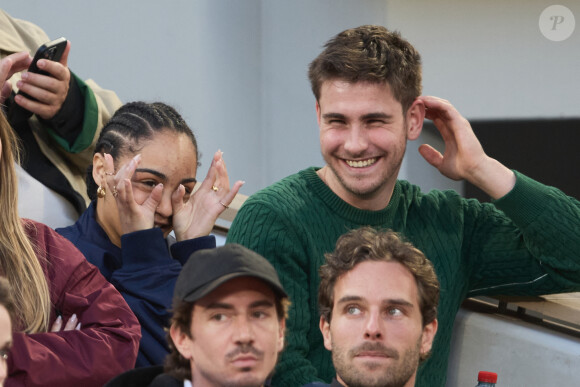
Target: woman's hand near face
[196,217]
[133,216]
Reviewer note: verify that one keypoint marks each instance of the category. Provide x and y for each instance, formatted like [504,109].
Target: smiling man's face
[376,333]
[363,136]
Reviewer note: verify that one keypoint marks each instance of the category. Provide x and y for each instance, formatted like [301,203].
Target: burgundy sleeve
[108,340]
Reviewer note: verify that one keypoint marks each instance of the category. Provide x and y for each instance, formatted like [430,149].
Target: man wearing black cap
[229,312]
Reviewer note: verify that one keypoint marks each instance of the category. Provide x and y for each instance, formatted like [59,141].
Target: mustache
[374,347]
[244,349]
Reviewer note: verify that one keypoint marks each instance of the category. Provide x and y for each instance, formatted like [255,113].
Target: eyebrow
[327,116]
[398,302]
[219,305]
[163,177]
[369,116]
[153,172]
[388,301]
[262,303]
[345,299]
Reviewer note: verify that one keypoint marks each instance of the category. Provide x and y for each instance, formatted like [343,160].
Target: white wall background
[236,69]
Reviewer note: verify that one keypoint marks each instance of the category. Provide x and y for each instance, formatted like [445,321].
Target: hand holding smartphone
[53,51]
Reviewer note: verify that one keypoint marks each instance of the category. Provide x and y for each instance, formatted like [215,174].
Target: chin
[247,380]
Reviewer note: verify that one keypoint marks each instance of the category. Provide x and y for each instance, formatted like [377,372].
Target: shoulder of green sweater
[529,198]
[412,192]
[282,193]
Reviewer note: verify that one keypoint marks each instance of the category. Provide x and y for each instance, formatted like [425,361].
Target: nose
[356,141]
[165,208]
[373,328]
[244,333]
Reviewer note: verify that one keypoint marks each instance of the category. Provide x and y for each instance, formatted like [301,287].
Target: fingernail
[59,319]
[73,317]
[78,327]
[24,76]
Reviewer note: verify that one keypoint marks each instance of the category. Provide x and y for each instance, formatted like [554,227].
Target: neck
[374,201]
[408,383]
[104,221]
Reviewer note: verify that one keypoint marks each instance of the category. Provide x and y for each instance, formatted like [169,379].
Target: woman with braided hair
[142,186]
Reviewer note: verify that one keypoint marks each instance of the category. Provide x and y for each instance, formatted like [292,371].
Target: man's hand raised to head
[464,157]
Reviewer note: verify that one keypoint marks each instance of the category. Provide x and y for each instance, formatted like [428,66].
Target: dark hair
[178,366]
[368,244]
[6,298]
[370,54]
[133,123]
[175,364]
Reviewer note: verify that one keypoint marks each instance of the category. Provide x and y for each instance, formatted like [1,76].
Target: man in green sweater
[367,84]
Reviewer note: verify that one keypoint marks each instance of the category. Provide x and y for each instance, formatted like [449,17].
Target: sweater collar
[345,210]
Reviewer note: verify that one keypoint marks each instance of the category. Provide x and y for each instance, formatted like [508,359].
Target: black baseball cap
[207,269]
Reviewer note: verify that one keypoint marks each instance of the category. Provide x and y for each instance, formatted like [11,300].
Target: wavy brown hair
[19,262]
[368,244]
[371,54]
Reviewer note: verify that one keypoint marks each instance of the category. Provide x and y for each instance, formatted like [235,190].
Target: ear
[429,332]
[318,113]
[415,117]
[281,334]
[99,168]
[182,341]
[325,329]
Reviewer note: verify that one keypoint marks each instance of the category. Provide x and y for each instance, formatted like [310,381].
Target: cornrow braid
[132,124]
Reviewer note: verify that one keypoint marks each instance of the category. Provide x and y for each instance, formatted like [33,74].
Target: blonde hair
[18,260]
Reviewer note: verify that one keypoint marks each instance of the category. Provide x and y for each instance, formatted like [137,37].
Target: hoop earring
[101,192]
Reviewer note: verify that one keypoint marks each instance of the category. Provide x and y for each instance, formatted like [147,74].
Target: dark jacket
[145,377]
[144,271]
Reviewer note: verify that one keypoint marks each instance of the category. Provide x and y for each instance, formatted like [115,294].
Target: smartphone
[52,50]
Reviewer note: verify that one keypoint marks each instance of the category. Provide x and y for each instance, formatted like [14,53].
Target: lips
[373,354]
[245,361]
[374,351]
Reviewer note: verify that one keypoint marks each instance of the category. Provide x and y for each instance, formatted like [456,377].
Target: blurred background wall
[236,69]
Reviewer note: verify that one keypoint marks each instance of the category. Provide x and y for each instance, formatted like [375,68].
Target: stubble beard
[364,192]
[395,375]
[245,379]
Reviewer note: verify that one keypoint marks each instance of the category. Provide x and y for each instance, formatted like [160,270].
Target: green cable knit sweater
[526,243]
